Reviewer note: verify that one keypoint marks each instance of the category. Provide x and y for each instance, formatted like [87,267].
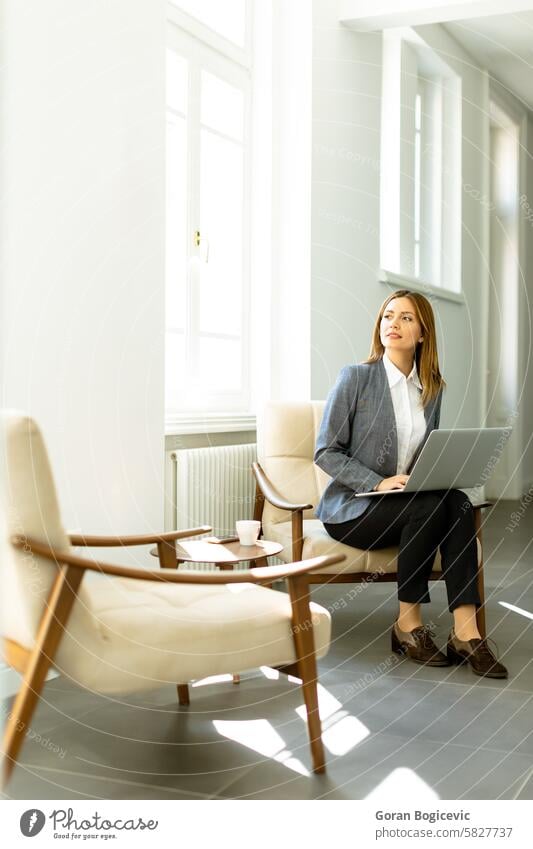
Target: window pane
[222,106]
[220,364]
[221,223]
[174,369]
[176,82]
[227,17]
[176,221]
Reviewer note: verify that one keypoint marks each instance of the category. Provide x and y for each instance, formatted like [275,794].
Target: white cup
[248,531]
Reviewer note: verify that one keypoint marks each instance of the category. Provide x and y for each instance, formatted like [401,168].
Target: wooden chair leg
[297,521]
[480,613]
[183,691]
[166,551]
[183,694]
[304,643]
[260,561]
[229,567]
[259,504]
[57,611]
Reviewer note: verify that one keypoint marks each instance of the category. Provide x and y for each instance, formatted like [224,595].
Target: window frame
[226,61]
[208,36]
[412,69]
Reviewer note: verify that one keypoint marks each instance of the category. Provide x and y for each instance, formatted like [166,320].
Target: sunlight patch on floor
[344,733]
[268,672]
[403,784]
[260,736]
[212,679]
[515,609]
[327,704]
[341,731]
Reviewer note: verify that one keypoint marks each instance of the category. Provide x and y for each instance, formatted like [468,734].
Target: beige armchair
[289,486]
[114,629]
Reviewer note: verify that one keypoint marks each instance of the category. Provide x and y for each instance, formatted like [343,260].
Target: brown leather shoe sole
[459,657]
[438,659]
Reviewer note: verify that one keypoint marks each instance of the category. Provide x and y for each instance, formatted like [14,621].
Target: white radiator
[214,486]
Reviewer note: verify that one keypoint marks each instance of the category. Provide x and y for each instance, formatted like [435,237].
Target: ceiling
[504,45]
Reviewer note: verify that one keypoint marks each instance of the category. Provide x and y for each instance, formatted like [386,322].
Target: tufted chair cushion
[125,634]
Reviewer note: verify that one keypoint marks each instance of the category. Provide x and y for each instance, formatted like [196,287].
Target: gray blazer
[357,442]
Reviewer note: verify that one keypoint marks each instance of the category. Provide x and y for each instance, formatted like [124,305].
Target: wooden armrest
[267,574]
[481,504]
[259,575]
[139,539]
[272,495]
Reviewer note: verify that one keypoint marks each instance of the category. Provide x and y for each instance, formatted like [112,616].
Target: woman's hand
[396,482]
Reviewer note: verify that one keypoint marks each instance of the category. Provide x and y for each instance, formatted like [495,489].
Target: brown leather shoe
[477,654]
[418,645]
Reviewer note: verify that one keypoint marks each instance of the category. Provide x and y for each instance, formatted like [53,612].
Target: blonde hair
[426,355]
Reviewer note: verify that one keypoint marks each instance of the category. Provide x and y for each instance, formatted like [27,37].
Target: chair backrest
[31,511]
[286,437]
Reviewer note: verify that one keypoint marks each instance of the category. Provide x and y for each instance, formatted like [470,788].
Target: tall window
[421,164]
[225,17]
[207,234]
[418,154]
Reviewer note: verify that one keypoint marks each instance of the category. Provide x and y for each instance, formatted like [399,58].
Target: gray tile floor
[390,726]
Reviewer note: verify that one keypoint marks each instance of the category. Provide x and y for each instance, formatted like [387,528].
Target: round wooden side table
[225,555]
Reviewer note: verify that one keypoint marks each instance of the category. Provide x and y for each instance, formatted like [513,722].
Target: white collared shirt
[408,410]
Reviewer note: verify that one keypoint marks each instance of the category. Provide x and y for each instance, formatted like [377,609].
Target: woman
[376,420]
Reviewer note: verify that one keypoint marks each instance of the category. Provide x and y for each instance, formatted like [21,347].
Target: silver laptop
[454,459]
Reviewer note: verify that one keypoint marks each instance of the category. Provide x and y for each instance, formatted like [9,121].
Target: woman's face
[399,329]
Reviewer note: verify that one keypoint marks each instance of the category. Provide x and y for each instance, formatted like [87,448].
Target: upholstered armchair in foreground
[114,629]
[289,486]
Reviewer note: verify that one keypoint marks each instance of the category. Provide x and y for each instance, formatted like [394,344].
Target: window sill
[404,282]
[178,425]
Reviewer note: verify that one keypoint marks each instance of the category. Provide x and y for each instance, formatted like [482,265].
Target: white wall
[82,175]
[346,293]
[291,182]
[527,315]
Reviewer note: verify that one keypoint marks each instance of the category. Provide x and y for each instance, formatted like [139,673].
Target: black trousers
[419,524]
